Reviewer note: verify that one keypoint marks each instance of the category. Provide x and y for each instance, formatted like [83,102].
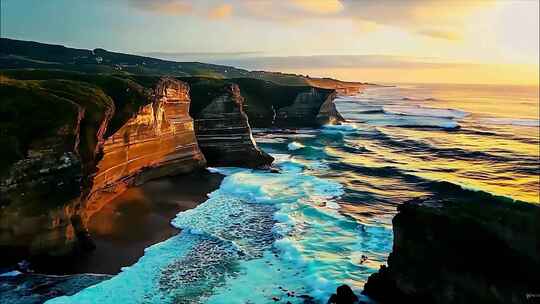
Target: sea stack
[224,134]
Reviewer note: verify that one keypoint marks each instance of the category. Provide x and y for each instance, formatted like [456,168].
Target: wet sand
[138,218]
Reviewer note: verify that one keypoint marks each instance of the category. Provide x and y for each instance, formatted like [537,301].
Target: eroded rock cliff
[271,105]
[158,141]
[461,251]
[71,146]
[222,128]
[310,108]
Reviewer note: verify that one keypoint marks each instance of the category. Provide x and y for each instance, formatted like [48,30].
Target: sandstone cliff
[458,251]
[159,140]
[71,146]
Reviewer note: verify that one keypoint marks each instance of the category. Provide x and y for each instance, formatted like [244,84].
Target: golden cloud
[440,19]
[319,6]
[440,34]
[221,11]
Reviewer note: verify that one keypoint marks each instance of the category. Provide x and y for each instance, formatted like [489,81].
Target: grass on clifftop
[43,114]
[38,105]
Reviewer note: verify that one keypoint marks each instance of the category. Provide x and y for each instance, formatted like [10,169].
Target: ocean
[323,218]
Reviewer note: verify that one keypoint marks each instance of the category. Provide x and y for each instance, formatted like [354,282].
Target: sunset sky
[379,41]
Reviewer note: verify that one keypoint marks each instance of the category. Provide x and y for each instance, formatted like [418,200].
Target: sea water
[298,233]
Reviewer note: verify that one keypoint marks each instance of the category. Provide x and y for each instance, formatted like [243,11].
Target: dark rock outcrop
[459,251]
[343,295]
[309,108]
[72,146]
[38,288]
[223,131]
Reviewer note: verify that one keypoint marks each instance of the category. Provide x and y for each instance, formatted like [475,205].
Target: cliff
[72,145]
[221,126]
[459,251]
[159,140]
[74,141]
[271,105]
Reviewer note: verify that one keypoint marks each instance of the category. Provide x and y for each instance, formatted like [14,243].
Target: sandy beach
[138,218]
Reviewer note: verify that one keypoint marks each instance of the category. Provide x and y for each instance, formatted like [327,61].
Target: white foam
[270,140]
[12,273]
[258,231]
[295,146]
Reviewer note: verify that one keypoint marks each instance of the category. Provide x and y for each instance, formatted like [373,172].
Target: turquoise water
[267,237]
[260,236]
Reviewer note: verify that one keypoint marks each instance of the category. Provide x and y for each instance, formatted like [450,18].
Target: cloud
[319,6]
[438,19]
[221,11]
[433,33]
[166,7]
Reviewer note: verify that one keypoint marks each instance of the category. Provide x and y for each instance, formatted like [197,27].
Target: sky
[447,41]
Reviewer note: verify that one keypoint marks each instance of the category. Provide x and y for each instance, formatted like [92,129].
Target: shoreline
[138,218]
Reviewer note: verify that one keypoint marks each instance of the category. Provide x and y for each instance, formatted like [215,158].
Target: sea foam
[260,236]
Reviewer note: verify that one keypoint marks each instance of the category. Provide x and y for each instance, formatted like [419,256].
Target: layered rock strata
[158,141]
[224,134]
[456,251]
[63,164]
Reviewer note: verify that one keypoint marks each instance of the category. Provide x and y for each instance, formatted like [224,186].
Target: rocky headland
[76,141]
[222,127]
[71,148]
[272,105]
[485,250]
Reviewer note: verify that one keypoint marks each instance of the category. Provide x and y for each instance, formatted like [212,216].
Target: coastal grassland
[44,120]
[127,95]
[46,116]
[17,54]
[45,113]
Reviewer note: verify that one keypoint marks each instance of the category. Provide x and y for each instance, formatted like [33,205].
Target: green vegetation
[31,115]
[16,54]
[128,96]
[40,108]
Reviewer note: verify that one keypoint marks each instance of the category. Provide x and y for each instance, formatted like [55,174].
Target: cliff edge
[271,105]
[73,145]
[457,251]
[222,127]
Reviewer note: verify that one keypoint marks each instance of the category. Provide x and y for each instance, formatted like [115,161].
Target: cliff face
[50,129]
[310,108]
[224,134]
[67,158]
[158,141]
[461,252]
[271,105]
